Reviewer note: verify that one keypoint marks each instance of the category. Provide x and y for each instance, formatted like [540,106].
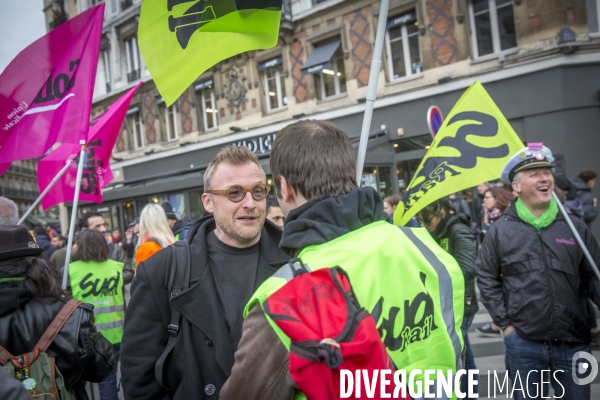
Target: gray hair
[9,212]
[517,177]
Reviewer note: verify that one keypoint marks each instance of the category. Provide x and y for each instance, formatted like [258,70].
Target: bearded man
[232,252]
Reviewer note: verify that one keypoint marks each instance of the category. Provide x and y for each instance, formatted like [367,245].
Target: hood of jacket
[42,240]
[181,224]
[321,221]
[579,184]
[12,297]
[442,228]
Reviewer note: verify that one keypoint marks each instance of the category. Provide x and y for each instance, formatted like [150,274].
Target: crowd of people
[202,319]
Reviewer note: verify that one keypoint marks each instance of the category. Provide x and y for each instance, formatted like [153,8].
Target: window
[132,58]
[168,119]
[493,26]
[106,65]
[207,109]
[274,84]
[134,125]
[332,81]
[402,42]
[114,6]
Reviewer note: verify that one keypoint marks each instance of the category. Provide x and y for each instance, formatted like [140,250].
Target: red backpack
[329,331]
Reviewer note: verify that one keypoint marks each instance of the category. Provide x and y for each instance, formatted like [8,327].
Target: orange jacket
[146,249]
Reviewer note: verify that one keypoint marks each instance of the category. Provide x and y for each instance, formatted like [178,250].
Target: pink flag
[103,134]
[46,91]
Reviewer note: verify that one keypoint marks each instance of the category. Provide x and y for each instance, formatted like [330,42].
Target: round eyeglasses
[236,193]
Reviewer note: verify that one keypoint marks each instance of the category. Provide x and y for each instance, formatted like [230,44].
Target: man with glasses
[232,252]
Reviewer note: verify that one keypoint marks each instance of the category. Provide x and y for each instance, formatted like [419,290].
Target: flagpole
[372,88]
[73,214]
[45,192]
[577,237]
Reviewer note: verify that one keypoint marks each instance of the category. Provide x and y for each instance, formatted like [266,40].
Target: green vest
[413,289]
[101,284]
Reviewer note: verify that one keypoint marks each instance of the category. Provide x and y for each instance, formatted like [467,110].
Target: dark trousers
[108,387]
[470,359]
[524,355]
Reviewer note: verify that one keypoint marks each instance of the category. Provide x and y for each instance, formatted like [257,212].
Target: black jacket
[538,280]
[454,235]
[585,197]
[81,352]
[202,358]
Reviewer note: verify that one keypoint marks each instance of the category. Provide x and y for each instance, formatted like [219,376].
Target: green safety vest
[101,284]
[413,289]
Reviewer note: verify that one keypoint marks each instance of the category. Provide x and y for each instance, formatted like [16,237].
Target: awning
[320,57]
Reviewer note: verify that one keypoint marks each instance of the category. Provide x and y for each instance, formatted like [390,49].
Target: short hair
[91,246]
[235,155]
[9,212]
[316,158]
[393,200]
[434,208]
[60,237]
[87,216]
[502,197]
[40,230]
[272,202]
[587,175]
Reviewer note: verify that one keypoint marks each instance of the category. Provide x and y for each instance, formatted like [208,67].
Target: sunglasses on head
[236,193]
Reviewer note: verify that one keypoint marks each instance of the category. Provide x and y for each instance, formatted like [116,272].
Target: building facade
[539,60]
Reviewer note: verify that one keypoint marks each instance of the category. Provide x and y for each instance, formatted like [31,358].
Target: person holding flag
[534,279]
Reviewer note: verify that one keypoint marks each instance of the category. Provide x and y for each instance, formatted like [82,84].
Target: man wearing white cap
[534,280]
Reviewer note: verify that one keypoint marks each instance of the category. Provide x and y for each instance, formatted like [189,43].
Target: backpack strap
[56,325]
[5,356]
[179,281]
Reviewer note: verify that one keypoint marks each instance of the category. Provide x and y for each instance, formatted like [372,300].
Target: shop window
[326,63]
[273,83]
[196,206]
[207,109]
[379,178]
[402,42]
[132,59]
[492,26]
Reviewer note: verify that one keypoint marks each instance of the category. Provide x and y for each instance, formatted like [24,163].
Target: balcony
[59,19]
[125,4]
[133,76]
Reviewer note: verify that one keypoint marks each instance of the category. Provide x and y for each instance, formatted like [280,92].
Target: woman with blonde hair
[154,232]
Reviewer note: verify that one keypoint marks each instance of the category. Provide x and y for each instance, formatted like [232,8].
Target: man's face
[238,224]
[56,242]
[275,215]
[535,187]
[97,224]
[135,228]
[116,234]
[388,209]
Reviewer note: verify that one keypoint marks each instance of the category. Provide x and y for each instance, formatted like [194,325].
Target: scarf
[543,221]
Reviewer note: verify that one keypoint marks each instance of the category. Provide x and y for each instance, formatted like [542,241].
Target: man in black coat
[232,251]
[534,280]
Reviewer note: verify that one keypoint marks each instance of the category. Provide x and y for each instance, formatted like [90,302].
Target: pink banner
[103,134]
[46,91]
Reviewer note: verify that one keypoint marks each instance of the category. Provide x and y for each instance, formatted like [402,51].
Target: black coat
[454,235]
[203,354]
[81,352]
[586,198]
[538,280]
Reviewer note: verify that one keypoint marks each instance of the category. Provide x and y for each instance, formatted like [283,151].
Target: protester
[495,202]
[329,222]
[30,298]
[567,193]
[155,232]
[131,238]
[42,239]
[274,213]
[478,210]
[115,236]
[59,241]
[232,253]
[179,227]
[452,231]
[95,221]
[389,206]
[57,259]
[97,280]
[534,280]
[459,204]
[9,212]
[584,183]
[50,231]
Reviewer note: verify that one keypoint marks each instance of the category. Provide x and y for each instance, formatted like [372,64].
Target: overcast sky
[21,23]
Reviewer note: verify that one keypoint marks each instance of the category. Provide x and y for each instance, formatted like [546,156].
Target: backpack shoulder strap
[56,325]
[5,356]
[179,281]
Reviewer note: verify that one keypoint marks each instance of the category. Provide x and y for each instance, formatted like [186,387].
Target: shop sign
[259,145]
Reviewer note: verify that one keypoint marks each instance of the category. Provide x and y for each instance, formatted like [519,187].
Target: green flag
[472,146]
[180,39]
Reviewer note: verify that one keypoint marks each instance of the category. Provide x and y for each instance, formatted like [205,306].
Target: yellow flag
[180,39]
[472,146]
